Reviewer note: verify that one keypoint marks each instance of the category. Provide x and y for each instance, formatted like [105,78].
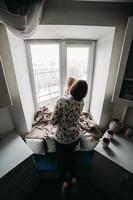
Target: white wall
[102,64]
[6,123]
[16,111]
[15,66]
[22,75]
[104,35]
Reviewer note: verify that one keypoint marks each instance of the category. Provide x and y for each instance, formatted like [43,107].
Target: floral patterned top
[66,116]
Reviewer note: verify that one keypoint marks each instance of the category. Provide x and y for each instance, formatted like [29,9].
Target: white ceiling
[115,1]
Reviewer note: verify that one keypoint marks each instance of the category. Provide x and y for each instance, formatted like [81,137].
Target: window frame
[63,62]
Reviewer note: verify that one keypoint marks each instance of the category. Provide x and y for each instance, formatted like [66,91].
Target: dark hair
[79,90]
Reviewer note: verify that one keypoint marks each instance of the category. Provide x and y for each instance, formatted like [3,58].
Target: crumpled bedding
[42,128]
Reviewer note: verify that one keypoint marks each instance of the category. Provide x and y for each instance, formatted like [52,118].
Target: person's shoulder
[61,100]
[65,100]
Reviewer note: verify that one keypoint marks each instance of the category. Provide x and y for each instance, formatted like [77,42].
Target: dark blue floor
[49,163]
[51,190]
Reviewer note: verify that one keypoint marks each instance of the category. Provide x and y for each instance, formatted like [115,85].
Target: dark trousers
[66,159]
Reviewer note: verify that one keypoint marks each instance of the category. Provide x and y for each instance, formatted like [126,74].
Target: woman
[66,116]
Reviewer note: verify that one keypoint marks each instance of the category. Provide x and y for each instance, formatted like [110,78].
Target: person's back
[68,129]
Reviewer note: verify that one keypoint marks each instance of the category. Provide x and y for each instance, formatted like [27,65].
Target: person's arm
[57,113]
[83,126]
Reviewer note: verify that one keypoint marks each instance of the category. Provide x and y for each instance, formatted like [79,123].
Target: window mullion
[62,54]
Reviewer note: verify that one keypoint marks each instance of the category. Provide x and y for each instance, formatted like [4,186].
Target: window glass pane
[45,61]
[77,61]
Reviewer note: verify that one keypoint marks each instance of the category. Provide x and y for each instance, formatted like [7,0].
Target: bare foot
[65,184]
[74,185]
[74,180]
[64,187]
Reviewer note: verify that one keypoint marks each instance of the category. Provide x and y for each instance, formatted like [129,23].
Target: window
[52,62]
[45,64]
[77,61]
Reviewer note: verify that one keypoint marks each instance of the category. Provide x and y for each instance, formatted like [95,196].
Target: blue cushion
[48,162]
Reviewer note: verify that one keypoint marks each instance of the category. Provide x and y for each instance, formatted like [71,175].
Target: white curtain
[24,21]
